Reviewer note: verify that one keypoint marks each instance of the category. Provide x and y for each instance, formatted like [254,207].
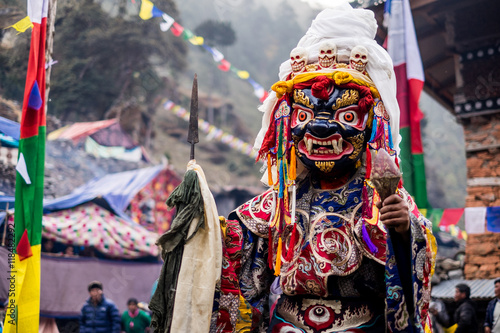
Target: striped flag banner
[403,48]
[24,299]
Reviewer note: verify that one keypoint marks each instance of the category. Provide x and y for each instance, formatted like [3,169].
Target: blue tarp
[10,132]
[10,128]
[116,189]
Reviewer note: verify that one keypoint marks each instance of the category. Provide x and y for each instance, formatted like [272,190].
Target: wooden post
[5,223]
[51,19]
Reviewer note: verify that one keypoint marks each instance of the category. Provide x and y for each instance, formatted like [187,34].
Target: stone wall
[482,256]
[482,137]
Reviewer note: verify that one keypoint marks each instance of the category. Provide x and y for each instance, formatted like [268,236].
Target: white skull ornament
[298,59]
[327,54]
[359,58]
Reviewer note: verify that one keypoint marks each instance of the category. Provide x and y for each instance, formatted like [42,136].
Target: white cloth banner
[200,268]
[475,220]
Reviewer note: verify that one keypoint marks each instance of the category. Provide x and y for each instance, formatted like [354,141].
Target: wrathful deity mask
[329,125]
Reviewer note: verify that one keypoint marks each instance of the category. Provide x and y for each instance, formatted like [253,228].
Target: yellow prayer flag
[22,25]
[197,40]
[423,211]
[243,75]
[146,11]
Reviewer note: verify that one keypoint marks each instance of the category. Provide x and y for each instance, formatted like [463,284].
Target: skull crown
[327,54]
[328,59]
[359,58]
[298,59]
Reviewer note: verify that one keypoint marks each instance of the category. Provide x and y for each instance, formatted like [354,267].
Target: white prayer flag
[164,26]
[475,220]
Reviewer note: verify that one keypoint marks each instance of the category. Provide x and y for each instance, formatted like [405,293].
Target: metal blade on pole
[193,119]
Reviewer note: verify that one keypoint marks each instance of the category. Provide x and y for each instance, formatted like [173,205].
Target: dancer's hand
[394,213]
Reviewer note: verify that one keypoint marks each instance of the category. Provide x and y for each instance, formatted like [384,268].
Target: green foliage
[102,60]
[216,33]
[105,61]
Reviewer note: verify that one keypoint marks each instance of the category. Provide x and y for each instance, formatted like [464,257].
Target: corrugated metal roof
[479,289]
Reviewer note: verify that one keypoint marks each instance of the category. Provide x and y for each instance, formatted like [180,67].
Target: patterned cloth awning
[92,225]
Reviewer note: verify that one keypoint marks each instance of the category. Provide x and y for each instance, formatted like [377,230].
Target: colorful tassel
[391,145]
[294,200]
[291,245]
[368,162]
[368,241]
[374,128]
[293,164]
[270,249]
[269,171]
[277,267]
[281,181]
[367,209]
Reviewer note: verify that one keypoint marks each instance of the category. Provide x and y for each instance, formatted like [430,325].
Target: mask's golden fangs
[324,149]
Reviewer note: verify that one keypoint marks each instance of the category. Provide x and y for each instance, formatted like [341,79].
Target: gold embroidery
[300,97]
[349,97]
[324,166]
[357,142]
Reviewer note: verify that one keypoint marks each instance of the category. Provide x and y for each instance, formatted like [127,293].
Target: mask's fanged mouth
[322,149]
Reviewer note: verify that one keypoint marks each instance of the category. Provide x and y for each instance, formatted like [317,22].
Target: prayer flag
[474,220]
[243,74]
[176,29]
[451,216]
[196,40]
[218,56]
[493,219]
[434,215]
[22,25]
[403,49]
[148,10]
[164,26]
[224,65]
[24,305]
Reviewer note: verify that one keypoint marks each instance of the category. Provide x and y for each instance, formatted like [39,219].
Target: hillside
[90,83]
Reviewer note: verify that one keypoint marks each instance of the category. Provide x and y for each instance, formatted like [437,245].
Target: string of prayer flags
[212,132]
[148,10]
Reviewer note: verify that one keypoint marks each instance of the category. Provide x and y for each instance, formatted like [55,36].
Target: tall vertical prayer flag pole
[403,49]
[24,299]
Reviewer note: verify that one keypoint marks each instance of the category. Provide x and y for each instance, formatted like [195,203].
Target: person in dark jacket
[99,315]
[465,315]
[492,320]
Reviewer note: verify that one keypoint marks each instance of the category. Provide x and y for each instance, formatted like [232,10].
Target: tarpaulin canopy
[114,136]
[78,131]
[92,225]
[117,190]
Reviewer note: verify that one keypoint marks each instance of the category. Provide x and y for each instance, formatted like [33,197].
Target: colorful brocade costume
[334,282]
[310,254]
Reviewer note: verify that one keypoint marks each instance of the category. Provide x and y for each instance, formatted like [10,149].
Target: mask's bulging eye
[349,117]
[301,117]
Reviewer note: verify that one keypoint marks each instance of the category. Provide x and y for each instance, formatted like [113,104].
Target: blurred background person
[135,320]
[99,315]
[492,320]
